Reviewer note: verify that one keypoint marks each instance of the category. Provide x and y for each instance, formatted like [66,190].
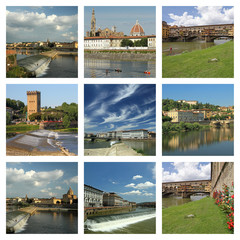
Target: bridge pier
[209,39]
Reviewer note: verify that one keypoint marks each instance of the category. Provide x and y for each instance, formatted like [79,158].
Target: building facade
[33,102]
[185,116]
[69,198]
[93,197]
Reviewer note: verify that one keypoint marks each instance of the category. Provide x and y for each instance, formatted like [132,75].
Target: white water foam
[111,225]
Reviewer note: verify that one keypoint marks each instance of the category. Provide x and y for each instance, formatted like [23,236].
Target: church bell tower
[93,24]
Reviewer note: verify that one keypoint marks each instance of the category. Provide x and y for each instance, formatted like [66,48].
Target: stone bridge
[206,32]
[221,123]
[186,188]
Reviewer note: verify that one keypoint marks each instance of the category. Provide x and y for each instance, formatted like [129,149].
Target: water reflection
[176,201]
[179,47]
[52,222]
[213,141]
[99,68]
[148,146]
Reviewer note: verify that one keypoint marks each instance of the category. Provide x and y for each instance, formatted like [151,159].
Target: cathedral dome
[137,30]
[70,191]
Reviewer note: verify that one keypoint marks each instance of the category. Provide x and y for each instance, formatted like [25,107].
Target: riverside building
[93,197]
[185,116]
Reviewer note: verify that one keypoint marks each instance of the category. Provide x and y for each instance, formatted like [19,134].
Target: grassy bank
[21,128]
[208,218]
[196,64]
[16,72]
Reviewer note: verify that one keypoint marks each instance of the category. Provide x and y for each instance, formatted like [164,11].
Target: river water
[180,47]
[96,68]
[212,141]
[143,220]
[176,201]
[147,146]
[51,222]
[45,140]
[63,66]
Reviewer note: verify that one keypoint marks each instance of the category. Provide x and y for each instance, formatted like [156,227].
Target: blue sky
[41,179]
[122,17]
[41,23]
[217,94]
[51,94]
[185,171]
[112,107]
[132,181]
[201,15]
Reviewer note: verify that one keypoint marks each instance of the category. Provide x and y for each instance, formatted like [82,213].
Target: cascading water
[114,222]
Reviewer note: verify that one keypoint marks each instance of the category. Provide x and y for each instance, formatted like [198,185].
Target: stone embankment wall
[221,173]
[126,56]
[104,211]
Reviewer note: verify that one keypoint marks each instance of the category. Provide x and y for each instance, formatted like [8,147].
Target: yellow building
[165,30]
[69,197]
[185,116]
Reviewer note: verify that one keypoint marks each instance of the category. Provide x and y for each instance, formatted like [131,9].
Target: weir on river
[35,65]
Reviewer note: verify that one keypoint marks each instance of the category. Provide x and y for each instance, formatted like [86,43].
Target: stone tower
[33,102]
[93,24]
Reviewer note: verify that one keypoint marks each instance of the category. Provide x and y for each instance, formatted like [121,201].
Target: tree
[66,121]
[8,118]
[127,43]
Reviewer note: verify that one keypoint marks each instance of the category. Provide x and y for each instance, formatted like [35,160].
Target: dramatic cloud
[184,171]
[206,16]
[119,107]
[136,177]
[145,185]
[34,26]
[31,178]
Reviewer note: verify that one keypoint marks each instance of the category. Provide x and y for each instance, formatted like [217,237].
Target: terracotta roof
[137,28]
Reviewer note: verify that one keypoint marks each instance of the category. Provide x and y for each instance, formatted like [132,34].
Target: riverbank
[121,55]
[42,143]
[119,149]
[197,64]
[21,128]
[208,218]
[169,127]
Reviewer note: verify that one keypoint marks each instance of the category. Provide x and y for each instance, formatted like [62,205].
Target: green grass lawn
[209,218]
[21,128]
[195,64]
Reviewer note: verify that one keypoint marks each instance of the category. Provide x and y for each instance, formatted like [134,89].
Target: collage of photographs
[119,120]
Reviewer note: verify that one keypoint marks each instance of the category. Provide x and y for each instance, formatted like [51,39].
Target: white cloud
[148,194]
[71,180]
[145,185]
[137,177]
[134,192]
[24,22]
[207,15]
[31,178]
[125,92]
[58,188]
[184,171]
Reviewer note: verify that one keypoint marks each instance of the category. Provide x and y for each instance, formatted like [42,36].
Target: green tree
[8,118]
[66,121]
[127,43]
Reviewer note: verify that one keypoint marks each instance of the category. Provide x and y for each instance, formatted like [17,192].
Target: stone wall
[221,173]
[127,56]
